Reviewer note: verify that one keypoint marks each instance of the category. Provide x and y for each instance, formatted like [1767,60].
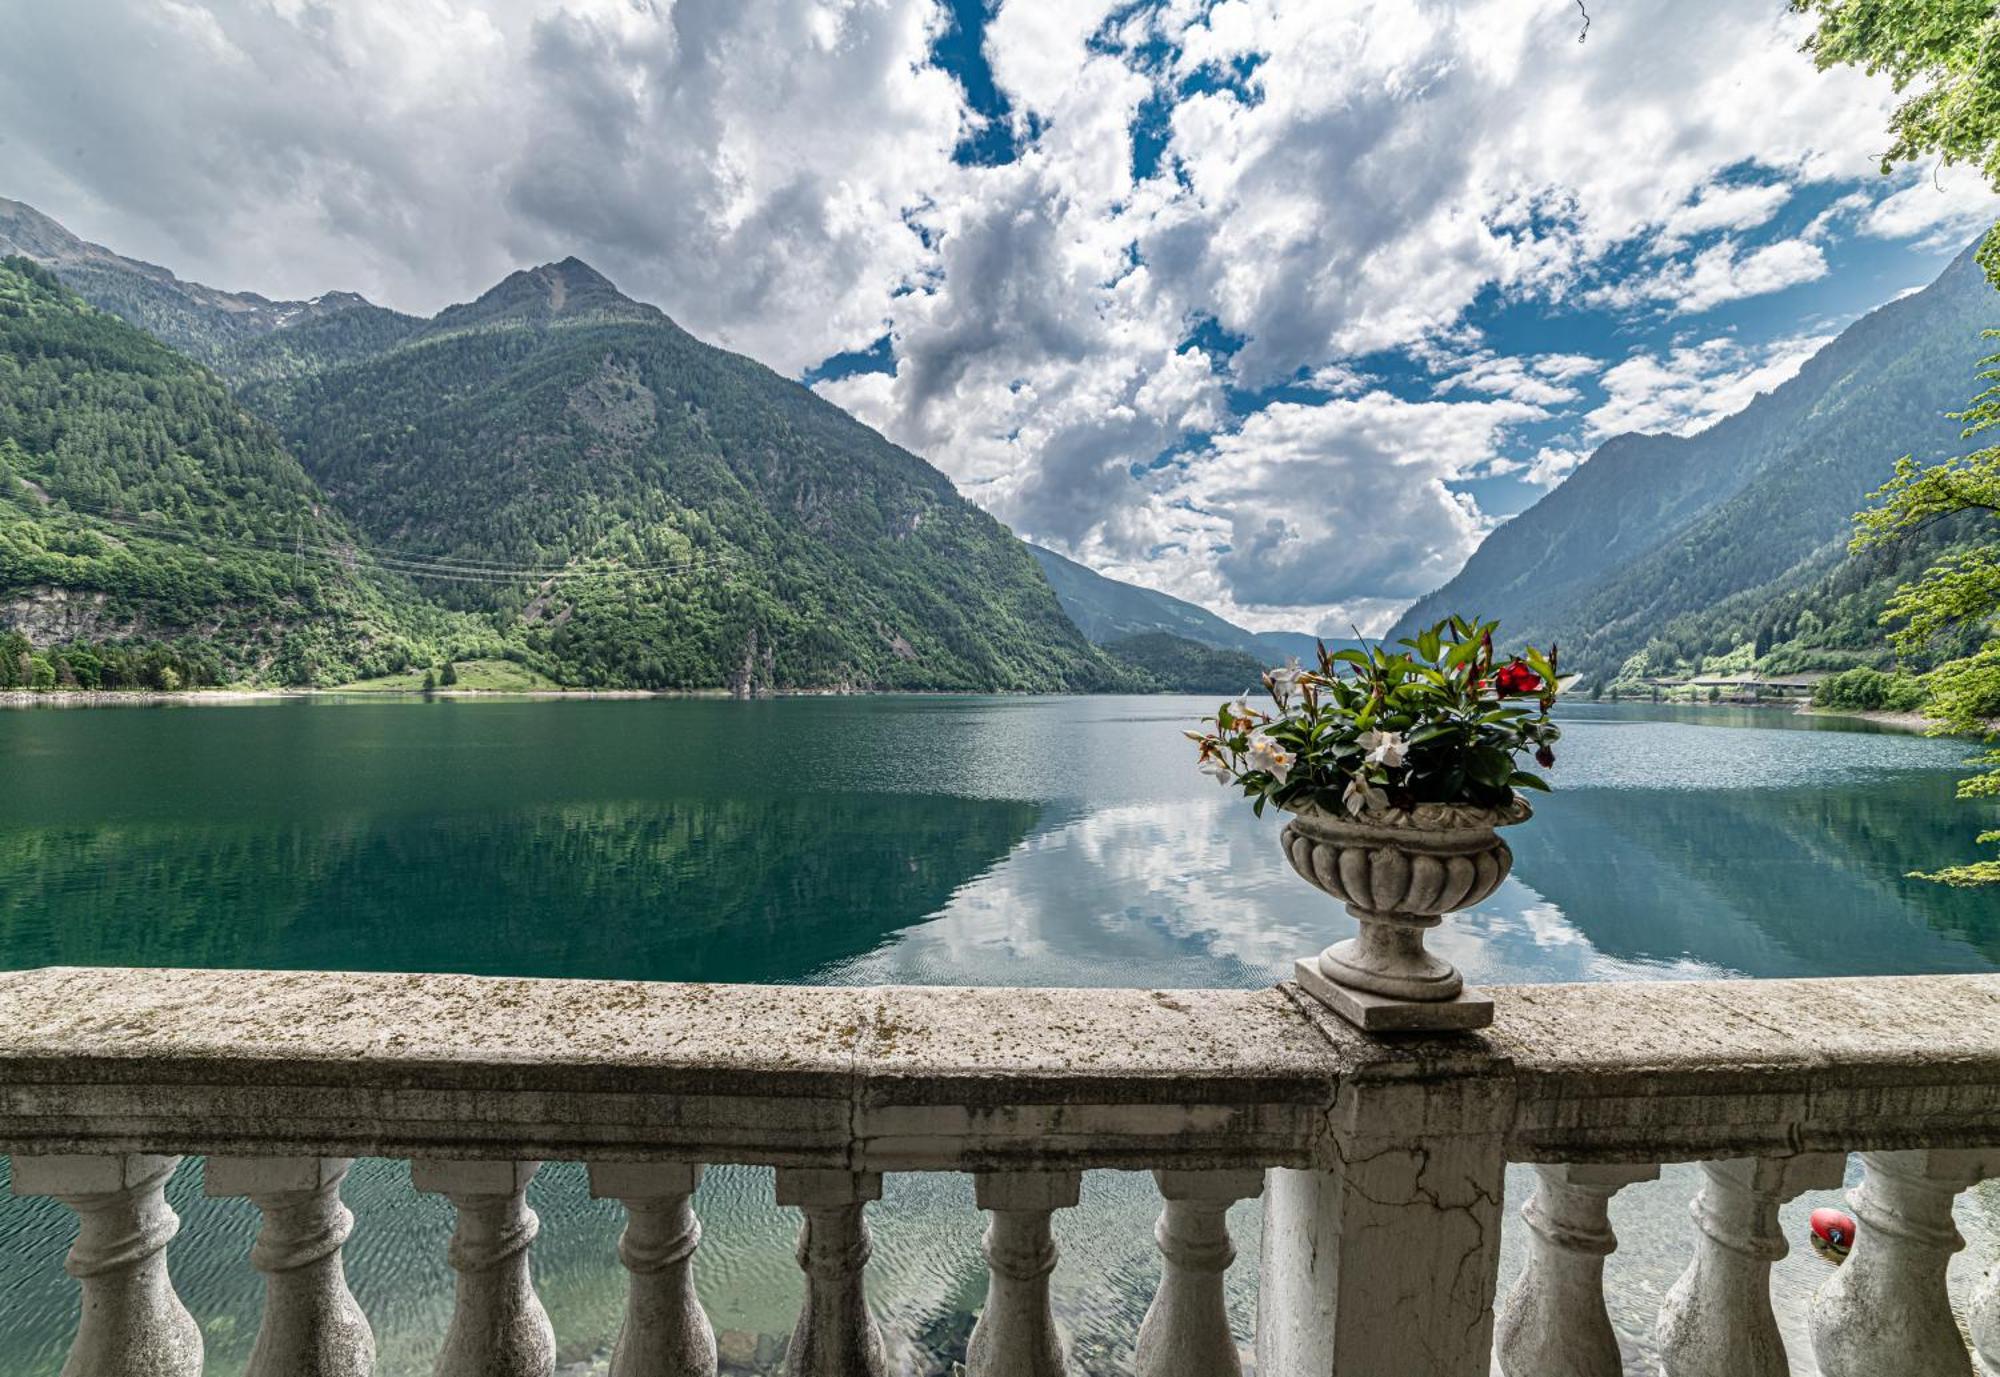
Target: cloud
[1552,464]
[1943,216]
[1345,508]
[1723,207]
[748,166]
[1721,273]
[1207,205]
[1333,183]
[1538,379]
[1691,387]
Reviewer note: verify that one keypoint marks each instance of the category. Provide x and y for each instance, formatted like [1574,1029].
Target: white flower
[1384,748]
[1217,769]
[1243,714]
[1267,755]
[1362,795]
[1283,680]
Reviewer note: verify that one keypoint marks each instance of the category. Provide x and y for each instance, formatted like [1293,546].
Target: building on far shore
[1746,686]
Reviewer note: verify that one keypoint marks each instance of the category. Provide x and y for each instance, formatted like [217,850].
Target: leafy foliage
[109,666]
[1377,729]
[1944,58]
[1871,690]
[1958,593]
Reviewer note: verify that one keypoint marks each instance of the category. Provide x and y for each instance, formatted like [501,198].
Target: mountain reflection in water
[923,840]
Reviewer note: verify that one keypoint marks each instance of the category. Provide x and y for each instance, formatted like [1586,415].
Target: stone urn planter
[1399,873]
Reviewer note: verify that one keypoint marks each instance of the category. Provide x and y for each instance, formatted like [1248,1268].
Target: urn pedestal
[1399,873]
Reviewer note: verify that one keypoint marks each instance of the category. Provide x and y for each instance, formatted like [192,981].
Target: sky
[1275,305]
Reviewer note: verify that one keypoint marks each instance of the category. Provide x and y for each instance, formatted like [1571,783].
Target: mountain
[232,332]
[1108,610]
[145,513]
[1165,663]
[635,507]
[1705,535]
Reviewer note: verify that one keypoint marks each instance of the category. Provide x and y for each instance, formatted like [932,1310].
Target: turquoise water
[928,840]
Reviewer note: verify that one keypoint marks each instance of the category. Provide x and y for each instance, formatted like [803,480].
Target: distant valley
[553,475]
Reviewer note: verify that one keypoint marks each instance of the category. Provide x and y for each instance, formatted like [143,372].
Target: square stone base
[1375,1013]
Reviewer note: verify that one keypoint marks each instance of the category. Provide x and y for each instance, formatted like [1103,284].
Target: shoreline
[220,697]
[1903,721]
[1912,722]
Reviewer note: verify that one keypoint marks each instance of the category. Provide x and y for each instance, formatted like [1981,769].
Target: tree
[1944,58]
[450,675]
[1959,590]
[430,680]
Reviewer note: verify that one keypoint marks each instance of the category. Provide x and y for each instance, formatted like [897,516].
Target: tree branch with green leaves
[1962,589]
[1944,58]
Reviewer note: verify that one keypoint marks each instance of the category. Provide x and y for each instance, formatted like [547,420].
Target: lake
[1024,841]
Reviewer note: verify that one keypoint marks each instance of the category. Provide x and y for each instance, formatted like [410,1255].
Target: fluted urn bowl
[1399,872]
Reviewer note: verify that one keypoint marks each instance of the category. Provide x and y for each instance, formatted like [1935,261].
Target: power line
[442,567]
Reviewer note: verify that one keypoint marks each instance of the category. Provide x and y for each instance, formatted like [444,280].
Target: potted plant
[1398,767]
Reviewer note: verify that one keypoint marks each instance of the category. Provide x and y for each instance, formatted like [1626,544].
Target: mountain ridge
[1109,610]
[1653,529]
[206,323]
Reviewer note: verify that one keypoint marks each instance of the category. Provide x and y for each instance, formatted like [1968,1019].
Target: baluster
[133,1325]
[498,1327]
[1886,1308]
[1383,1261]
[1186,1329]
[1982,1317]
[1016,1334]
[836,1335]
[311,1326]
[666,1332]
[1717,1320]
[1555,1323]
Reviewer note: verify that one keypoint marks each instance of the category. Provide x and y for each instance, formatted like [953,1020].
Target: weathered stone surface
[1706,1070]
[1886,1308]
[1402,1218]
[340,1065]
[133,1325]
[1186,1329]
[1555,1323]
[498,1327]
[836,1334]
[312,1326]
[253,1063]
[1717,1321]
[1016,1332]
[1469,1009]
[666,1333]
[1388,1151]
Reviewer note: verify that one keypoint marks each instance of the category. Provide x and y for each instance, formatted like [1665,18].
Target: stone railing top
[356,1064]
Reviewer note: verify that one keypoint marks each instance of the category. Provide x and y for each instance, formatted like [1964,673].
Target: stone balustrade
[1380,1160]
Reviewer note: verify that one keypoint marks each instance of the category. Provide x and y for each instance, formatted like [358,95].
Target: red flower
[1516,677]
[1546,758]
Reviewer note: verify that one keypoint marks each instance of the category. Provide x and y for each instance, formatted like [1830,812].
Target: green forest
[552,475]
[152,530]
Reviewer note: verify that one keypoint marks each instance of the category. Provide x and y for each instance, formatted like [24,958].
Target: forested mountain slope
[142,508]
[1654,531]
[644,509]
[236,333]
[1107,610]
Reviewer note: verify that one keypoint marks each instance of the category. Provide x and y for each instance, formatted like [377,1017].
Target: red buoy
[1832,1234]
